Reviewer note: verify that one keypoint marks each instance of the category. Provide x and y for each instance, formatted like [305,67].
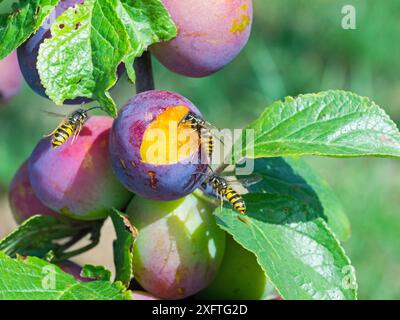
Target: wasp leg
[50,134]
[76,133]
[222,199]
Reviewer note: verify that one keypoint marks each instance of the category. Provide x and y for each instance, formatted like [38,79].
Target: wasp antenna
[93,108]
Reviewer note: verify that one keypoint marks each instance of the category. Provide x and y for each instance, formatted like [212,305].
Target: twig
[144,73]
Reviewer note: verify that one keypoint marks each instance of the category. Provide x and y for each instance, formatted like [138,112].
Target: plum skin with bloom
[10,77]
[76,179]
[23,202]
[163,182]
[179,248]
[211,33]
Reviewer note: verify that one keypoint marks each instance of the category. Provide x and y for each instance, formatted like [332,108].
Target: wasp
[198,124]
[224,190]
[70,126]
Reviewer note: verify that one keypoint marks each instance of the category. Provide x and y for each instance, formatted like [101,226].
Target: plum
[211,33]
[23,202]
[76,179]
[10,77]
[28,52]
[179,248]
[141,295]
[240,277]
[73,269]
[151,154]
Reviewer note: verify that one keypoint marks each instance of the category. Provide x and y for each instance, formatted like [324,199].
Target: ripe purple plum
[142,295]
[28,52]
[211,33]
[10,77]
[179,248]
[152,155]
[23,202]
[240,277]
[73,269]
[76,179]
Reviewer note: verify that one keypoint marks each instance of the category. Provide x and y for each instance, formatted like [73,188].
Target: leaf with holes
[81,58]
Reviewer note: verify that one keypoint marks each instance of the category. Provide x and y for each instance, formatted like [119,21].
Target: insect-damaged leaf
[81,58]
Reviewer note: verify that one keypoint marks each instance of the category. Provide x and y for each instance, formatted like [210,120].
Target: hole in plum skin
[153,179]
[77,26]
[61,26]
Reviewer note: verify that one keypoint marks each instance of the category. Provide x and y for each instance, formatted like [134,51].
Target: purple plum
[152,155]
[10,77]
[76,179]
[211,33]
[23,202]
[142,295]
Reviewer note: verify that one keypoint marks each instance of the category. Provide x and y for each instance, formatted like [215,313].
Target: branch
[144,73]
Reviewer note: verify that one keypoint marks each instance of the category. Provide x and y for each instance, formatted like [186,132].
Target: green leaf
[34,279]
[26,17]
[293,177]
[331,123]
[147,22]
[96,272]
[294,246]
[90,40]
[38,235]
[123,247]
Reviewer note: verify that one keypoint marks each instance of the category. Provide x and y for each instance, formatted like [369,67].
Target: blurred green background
[297,46]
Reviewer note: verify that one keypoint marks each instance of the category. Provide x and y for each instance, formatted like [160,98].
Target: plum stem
[144,73]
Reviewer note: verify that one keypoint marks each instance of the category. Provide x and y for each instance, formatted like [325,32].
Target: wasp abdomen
[235,199]
[63,133]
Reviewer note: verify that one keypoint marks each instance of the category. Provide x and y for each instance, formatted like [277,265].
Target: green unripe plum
[240,277]
[179,248]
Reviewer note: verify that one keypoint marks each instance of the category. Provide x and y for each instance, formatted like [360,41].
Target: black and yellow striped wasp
[198,124]
[224,190]
[70,126]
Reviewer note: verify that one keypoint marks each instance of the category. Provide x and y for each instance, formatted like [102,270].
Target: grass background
[297,46]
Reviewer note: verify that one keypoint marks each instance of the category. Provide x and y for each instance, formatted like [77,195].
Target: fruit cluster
[180,250]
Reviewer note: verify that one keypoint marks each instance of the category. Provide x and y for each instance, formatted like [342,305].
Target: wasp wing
[54,114]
